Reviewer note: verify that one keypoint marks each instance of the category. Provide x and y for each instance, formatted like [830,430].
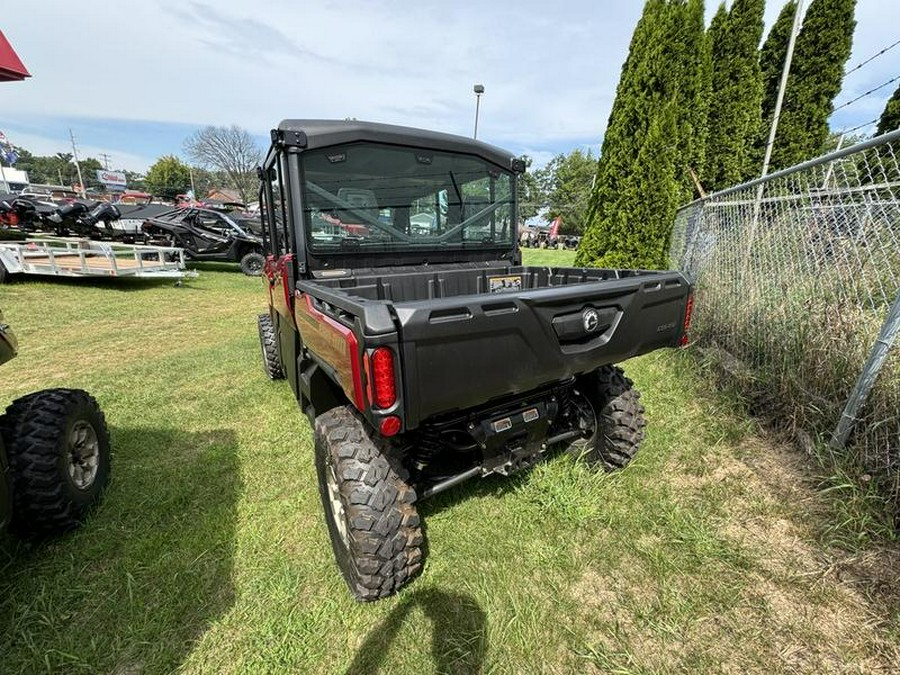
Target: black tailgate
[460,352]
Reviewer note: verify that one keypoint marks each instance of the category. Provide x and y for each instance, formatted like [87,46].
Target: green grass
[209,553]
[540,257]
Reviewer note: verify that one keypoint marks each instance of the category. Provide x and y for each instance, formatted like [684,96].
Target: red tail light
[390,425]
[688,311]
[384,387]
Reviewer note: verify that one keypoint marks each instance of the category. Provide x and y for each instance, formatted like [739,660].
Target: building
[12,180]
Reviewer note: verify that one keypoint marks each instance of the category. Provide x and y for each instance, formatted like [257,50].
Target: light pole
[479,90]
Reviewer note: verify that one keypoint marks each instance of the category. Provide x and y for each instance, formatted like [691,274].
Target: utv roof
[311,134]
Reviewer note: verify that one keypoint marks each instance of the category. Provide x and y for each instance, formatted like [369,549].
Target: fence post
[867,377]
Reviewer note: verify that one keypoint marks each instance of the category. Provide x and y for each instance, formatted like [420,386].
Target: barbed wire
[871,58]
[868,93]
[859,126]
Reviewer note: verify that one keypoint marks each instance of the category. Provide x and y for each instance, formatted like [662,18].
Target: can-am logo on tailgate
[591,320]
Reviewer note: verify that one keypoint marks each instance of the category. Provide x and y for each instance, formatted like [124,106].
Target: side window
[213,223]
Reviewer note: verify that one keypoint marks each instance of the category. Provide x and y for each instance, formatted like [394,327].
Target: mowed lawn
[209,553]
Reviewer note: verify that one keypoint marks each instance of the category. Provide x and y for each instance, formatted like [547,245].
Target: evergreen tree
[691,63]
[887,170]
[771,62]
[737,91]
[630,110]
[817,71]
[890,118]
[655,133]
[642,231]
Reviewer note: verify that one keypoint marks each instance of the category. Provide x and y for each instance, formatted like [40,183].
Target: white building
[12,180]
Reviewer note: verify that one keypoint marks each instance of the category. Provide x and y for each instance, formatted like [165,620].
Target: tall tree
[888,169]
[692,62]
[736,92]
[628,122]
[654,137]
[817,71]
[771,62]
[890,118]
[168,177]
[566,184]
[642,231]
[231,150]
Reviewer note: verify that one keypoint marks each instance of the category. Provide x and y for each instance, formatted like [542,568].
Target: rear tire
[618,419]
[369,507]
[252,264]
[268,342]
[57,444]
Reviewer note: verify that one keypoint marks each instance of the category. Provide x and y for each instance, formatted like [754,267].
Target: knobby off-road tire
[268,343]
[252,264]
[370,509]
[618,419]
[57,445]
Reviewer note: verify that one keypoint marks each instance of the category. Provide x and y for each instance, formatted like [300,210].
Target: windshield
[368,195]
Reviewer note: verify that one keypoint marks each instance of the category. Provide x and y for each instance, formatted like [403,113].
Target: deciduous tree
[168,177]
[230,150]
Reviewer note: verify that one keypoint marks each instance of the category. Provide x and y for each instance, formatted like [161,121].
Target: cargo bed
[471,333]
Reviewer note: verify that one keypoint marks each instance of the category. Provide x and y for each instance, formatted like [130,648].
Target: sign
[112,178]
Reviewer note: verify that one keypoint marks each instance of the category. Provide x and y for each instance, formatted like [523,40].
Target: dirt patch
[798,607]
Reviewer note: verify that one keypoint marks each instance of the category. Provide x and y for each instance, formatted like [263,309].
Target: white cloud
[550,70]
[41,145]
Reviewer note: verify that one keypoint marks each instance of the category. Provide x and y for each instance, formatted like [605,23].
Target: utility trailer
[85,258]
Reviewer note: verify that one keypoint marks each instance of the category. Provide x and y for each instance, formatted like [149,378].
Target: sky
[134,78]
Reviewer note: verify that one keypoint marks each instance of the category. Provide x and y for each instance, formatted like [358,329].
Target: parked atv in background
[54,456]
[207,235]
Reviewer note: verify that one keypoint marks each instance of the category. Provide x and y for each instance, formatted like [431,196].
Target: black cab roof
[311,134]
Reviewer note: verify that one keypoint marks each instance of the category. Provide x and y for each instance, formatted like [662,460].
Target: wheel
[57,445]
[268,342]
[252,264]
[369,507]
[3,273]
[609,404]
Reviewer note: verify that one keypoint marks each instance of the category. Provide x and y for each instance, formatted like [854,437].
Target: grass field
[210,553]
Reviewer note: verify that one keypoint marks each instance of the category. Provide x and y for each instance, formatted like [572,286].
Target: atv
[207,235]
[54,456]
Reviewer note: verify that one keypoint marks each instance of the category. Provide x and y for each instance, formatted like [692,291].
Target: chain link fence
[798,295]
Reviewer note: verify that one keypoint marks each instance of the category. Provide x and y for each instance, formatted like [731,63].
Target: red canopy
[11,67]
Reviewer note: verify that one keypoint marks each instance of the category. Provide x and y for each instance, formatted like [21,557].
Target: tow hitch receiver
[514,441]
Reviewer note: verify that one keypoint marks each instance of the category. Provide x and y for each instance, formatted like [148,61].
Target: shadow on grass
[458,633]
[120,284]
[146,575]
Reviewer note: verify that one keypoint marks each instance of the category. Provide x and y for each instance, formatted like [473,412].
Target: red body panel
[332,342]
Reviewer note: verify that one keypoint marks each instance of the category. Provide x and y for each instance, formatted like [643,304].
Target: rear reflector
[688,311]
[384,388]
[390,426]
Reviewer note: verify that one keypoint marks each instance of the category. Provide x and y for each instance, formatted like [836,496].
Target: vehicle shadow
[458,633]
[139,584]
